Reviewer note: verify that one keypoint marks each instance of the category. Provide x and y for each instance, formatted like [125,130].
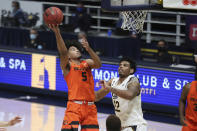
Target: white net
[134,20]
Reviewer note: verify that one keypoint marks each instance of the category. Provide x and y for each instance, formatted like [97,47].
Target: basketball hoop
[133,11]
[134,20]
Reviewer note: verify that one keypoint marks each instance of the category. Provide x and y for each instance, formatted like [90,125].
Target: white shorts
[142,127]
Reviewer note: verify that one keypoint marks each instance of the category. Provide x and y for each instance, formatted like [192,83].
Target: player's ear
[131,71]
[68,55]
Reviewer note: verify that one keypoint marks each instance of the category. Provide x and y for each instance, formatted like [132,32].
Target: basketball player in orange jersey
[188,115]
[77,73]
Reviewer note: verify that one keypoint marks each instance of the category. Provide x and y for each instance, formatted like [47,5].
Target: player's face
[124,69]
[74,53]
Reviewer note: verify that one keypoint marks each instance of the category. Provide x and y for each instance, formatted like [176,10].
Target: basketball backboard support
[129,5]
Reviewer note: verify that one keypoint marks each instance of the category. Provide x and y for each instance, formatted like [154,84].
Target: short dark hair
[132,63]
[74,43]
[113,123]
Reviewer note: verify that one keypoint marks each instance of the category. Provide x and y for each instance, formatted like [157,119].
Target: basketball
[53,15]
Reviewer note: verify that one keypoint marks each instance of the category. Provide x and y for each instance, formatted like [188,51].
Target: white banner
[180,4]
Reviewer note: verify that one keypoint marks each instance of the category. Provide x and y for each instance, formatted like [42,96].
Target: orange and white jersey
[80,82]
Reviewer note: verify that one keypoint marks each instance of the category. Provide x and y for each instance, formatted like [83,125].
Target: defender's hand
[104,85]
[14,121]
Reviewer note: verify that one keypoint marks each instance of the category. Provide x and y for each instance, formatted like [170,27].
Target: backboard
[129,5]
[134,11]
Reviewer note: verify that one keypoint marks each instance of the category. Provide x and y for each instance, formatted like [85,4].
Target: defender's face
[74,53]
[124,69]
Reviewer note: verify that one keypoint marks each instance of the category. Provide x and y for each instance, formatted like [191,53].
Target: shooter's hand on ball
[54,28]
